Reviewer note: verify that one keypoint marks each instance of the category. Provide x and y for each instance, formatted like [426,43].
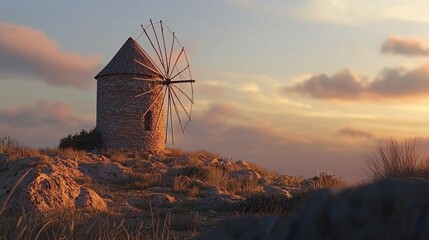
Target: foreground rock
[394,209]
[50,184]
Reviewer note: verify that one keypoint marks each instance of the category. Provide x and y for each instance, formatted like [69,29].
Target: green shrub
[82,141]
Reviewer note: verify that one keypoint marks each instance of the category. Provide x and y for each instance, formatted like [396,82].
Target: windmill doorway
[148,121]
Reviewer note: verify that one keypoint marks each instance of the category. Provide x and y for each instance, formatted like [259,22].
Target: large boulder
[390,209]
[49,185]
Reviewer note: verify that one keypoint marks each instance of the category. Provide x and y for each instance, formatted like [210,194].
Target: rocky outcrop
[50,185]
[390,209]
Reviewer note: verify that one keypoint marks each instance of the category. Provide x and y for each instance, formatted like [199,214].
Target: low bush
[82,141]
[325,180]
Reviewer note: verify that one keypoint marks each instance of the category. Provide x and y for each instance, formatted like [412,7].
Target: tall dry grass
[72,224]
[393,159]
[15,150]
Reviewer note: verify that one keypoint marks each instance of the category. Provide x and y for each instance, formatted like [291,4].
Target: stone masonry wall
[120,114]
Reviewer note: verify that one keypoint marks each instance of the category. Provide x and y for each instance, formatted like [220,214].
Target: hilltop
[175,194]
[113,194]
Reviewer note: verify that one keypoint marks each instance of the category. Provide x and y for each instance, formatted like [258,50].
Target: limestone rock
[50,185]
[276,190]
[241,164]
[88,199]
[221,163]
[245,174]
[111,172]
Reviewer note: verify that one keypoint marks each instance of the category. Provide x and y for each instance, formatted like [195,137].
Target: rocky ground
[189,192]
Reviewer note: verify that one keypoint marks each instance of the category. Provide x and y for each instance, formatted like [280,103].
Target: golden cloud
[31,51]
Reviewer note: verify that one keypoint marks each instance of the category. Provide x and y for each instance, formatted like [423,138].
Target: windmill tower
[133,89]
[120,117]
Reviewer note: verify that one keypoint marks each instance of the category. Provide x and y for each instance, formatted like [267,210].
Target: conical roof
[123,61]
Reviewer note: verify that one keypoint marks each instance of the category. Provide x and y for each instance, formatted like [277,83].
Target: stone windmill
[133,90]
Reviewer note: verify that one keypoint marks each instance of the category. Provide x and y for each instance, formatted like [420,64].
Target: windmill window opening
[148,121]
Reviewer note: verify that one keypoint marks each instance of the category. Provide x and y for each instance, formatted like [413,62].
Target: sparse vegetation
[289,181]
[70,152]
[14,150]
[146,179]
[142,181]
[393,159]
[82,141]
[117,155]
[70,224]
[245,187]
[324,180]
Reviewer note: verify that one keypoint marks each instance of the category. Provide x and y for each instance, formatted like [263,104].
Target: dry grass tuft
[117,155]
[393,159]
[173,152]
[70,224]
[289,181]
[245,187]
[15,150]
[70,152]
[218,177]
[268,175]
[325,180]
[180,183]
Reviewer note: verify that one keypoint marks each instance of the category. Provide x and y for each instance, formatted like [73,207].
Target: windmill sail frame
[172,66]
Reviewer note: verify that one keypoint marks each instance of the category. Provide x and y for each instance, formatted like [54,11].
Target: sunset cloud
[43,123]
[342,85]
[24,50]
[390,83]
[404,46]
[354,133]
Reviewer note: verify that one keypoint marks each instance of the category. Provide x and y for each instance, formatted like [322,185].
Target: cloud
[42,124]
[344,85]
[354,133]
[267,145]
[398,82]
[24,50]
[391,83]
[404,46]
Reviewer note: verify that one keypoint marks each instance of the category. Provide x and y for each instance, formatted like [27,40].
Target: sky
[300,86]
